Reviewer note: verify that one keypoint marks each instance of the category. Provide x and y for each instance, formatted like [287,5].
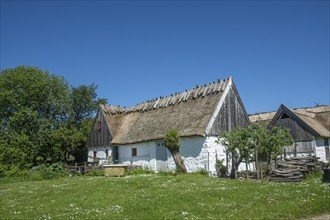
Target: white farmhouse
[134,136]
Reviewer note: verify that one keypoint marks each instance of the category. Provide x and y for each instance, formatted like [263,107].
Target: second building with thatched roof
[134,136]
[309,128]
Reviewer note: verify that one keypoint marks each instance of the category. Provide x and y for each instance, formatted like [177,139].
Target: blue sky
[276,51]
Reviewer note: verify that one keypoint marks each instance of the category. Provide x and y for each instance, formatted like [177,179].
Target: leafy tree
[268,143]
[238,145]
[254,143]
[84,103]
[31,88]
[42,117]
[259,137]
[172,143]
[278,138]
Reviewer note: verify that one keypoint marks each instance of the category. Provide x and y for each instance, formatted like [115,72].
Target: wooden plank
[214,88]
[220,86]
[196,93]
[181,97]
[187,96]
[209,88]
[156,104]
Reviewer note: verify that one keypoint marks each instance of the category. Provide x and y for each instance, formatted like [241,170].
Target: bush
[221,168]
[95,173]
[46,171]
[313,176]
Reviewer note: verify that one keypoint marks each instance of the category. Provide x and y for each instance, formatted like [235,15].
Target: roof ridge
[170,100]
[292,109]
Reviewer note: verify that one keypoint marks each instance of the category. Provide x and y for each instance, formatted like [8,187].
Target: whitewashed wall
[199,153]
[101,155]
[145,155]
[320,149]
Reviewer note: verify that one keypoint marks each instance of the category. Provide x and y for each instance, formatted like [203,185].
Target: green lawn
[154,196]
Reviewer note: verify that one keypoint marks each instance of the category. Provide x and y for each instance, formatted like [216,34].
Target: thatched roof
[317,118]
[189,112]
[263,118]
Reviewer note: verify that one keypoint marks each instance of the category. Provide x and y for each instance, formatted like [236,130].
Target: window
[284,116]
[94,155]
[115,154]
[106,153]
[134,152]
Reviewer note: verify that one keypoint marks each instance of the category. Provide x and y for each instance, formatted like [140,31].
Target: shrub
[95,173]
[46,171]
[221,168]
[313,176]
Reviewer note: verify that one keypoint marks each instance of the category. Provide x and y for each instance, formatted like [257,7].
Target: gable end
[100,134]
[299,130]
[229,114]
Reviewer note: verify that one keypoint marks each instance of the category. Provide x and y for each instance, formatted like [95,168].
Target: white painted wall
[199,153]
[145,154]
[101,155]
[321,150]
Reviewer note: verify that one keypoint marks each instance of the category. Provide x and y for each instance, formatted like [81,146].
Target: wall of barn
[101,156]
[100,135]
[146,155]
[199,153]
[318,147]
[299,133]
[231,115]
[322,149]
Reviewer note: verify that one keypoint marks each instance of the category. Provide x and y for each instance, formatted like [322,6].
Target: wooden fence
[82,168]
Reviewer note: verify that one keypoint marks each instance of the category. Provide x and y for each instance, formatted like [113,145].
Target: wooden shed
[309,127]
[135,135]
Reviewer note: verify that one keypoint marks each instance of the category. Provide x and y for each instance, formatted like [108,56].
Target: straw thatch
[263,118]
[189,112]
[317,118]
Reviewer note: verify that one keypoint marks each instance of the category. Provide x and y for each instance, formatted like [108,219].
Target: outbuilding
[309,127]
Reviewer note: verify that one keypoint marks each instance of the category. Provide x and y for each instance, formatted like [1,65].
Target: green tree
[268,143]
[238,146]
[278,137]
[172,143]
[31,88]
[42,116]
[259,139]
[84,103]
[254,143]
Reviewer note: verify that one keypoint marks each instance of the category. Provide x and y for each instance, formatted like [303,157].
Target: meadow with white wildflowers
[155,196]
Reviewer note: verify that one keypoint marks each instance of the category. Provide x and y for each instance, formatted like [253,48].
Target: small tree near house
[172,143]
[254,143]
[238,146]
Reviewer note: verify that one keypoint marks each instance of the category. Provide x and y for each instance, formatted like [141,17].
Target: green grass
[155,196]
